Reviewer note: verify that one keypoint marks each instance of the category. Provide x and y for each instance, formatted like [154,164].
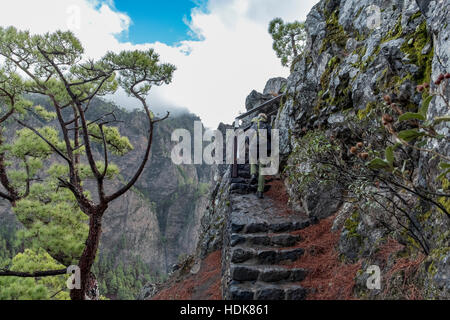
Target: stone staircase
[260,246]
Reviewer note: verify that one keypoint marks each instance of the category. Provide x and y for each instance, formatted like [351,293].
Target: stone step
[244,188]
[265,255]
[264,239]
[245,166]
[244,174]
[239,180]
[243,273]
[262,291]
[260,227]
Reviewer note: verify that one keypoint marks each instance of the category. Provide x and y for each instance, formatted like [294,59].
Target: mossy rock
[351,225]
[335,33]
[413,47]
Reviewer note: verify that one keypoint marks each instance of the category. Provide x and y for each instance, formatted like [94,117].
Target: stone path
[260,244]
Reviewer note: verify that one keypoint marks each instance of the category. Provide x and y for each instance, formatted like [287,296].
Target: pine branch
[45,140]
[36,274]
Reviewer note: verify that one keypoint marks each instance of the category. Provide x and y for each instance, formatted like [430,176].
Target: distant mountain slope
[151,226]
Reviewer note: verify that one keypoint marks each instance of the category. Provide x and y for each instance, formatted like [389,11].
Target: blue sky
[156,20]
[231,56]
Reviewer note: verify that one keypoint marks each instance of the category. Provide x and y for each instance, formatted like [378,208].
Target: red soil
[328,277]
[205,285]
[406,266]
[280,197]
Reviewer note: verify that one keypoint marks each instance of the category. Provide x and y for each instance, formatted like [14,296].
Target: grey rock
[267,257]
[240,255]
[296,294]
[322,202]
[285,240]
[298,275]
[241,273]
[281,227]
[259,240]
[274,275]
[148,291]
[235,227]
[349,245]
[236,239]
[274,86]
[424,5]
[256,227]
[291,255]
[255,99]
[241,294]
[442,276]
[270,294]
[336,118]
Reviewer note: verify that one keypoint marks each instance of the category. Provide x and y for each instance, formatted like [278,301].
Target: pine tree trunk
[88,257]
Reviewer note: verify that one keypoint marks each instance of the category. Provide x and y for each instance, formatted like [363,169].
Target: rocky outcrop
[275,86]
[255,99]
[352,60]
[214,221]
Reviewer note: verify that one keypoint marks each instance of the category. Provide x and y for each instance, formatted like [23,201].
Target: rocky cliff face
[167,203]
[357,53]
[348,66]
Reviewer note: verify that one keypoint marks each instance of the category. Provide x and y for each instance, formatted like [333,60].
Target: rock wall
[349,65]
[347,68]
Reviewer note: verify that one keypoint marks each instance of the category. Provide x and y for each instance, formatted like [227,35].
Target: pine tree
[288,39]
[53,203]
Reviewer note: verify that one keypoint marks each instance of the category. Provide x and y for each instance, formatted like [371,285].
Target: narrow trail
[260,245]
[278,254]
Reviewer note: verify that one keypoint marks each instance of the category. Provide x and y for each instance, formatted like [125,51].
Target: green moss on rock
[351,225]
[394,33]
[333,64]
[364,113]
[335,33]
[415,16]
[414,46]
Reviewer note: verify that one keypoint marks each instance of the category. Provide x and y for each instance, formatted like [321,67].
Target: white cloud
[233,57]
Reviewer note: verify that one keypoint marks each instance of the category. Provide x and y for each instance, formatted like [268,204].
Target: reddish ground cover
[205,285]
[279,195]
[328,277]
[406,266]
